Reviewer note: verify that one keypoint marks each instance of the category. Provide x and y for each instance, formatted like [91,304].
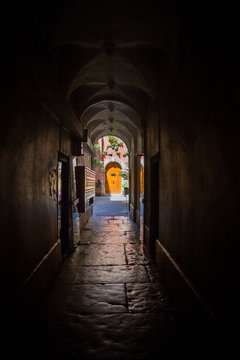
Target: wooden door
[113,180]
[141,180]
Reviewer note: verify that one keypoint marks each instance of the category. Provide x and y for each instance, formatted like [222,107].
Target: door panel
[141,180]
[113,180]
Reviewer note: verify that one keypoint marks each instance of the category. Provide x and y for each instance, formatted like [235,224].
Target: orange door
[141,179]
[113,180]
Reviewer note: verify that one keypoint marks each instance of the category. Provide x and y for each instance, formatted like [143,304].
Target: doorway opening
[154,204]
[141,198]
[63,203]
[75,201]
[111,175]
[111,166]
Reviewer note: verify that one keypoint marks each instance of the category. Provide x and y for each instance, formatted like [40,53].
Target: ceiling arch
[109,71]
[111,111]
[112,118]
[110,21]
[112,58]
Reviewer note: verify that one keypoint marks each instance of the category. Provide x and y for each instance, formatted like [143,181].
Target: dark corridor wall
[199,185]
[197,252]
[29,242]
[198,249]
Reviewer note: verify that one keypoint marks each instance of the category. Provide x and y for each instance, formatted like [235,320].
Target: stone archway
[105,164]
[114,159]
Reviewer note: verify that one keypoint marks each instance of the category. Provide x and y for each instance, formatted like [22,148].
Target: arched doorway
[113,179]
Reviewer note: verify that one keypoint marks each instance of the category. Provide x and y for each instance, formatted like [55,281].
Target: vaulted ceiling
[112,57]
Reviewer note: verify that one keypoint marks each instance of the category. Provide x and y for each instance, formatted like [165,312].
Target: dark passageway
[155,86]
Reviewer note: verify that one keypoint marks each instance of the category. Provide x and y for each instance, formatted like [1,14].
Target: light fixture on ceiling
[110,119]
[111,128]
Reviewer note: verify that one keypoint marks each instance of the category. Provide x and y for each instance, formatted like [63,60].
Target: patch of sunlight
[117,197]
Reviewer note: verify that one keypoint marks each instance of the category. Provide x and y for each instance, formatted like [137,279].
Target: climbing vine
[114,144]
[96,147]
[95,161]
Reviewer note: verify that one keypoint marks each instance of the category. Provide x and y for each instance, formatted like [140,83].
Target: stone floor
[108,303]
[113,205]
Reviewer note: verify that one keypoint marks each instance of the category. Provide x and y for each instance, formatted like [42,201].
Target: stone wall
[199,184]
[33,136]
[29,155]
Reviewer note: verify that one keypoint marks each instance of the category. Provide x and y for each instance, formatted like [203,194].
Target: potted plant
[125,188]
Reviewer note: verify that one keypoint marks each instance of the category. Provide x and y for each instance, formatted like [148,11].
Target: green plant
[97,163]
[114,143]
[96,147]
[123,175]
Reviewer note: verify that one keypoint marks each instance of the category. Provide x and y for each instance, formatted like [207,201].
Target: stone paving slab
[112,226]
[103,254]
[96,218]
[103,237]
[97,221]
[108,302]
[145,298]
[112,274]
[97,298]
[114,205]
[134,254]
[107,238]
[102,336]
